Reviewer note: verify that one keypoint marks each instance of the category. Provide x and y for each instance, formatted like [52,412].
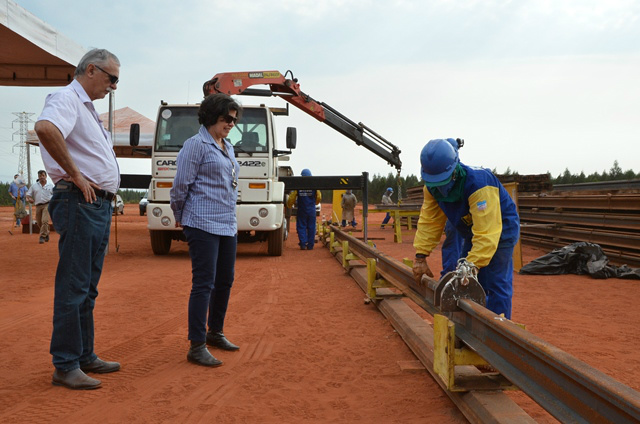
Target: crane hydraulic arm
[288,89]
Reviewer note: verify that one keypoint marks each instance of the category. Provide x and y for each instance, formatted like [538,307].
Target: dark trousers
[84,234]
[306,228]
[213,261]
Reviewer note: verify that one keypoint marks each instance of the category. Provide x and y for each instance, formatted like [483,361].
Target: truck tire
[275,241]
[160,241]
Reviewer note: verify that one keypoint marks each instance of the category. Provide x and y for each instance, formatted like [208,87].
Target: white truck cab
[261,197]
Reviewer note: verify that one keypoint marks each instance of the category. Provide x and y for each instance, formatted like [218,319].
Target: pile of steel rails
[473,354]
[557,219]
[551,220]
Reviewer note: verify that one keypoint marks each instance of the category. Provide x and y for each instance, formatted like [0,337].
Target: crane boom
[288,89]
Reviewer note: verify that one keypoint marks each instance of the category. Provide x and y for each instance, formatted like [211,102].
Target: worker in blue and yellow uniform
[306,219]
[481,211]
[453,242]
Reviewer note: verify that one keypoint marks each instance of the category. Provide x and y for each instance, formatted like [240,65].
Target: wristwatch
[420,256]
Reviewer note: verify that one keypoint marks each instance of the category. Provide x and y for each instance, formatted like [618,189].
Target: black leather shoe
[100,367]
[200,355]
[75,380]
[220,341]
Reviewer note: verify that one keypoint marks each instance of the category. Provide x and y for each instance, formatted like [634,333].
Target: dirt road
[311,350]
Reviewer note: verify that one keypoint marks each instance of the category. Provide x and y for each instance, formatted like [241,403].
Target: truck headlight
[254,222]
[165,221]
[157,212]
[263,212]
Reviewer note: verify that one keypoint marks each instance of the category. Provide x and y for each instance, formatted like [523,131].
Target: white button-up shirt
[40,194]
[89,144]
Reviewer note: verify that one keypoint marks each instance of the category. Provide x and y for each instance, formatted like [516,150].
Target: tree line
[378,184]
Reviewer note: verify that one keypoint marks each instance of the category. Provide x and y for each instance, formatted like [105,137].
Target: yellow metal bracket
[374,281]
[347,255]
[456,367]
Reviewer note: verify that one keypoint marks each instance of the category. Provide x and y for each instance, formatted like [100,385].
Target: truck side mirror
[291,138]
[134,135]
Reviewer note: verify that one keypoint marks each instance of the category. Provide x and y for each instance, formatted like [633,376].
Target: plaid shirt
[203,195]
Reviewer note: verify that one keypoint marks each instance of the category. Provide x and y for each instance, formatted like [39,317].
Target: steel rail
[567,388]
[608,202]
[602,221]
[625,241]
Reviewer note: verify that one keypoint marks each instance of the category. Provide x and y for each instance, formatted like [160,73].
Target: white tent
[32,53]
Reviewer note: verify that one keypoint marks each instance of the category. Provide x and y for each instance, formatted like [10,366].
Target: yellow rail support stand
[446,357]
[374,282]
[347,255]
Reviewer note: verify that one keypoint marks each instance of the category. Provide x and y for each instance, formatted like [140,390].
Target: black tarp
[579,258]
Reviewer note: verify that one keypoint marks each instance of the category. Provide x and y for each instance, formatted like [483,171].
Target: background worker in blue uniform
[481,211]
[453,242]
[386,200]
[306,218]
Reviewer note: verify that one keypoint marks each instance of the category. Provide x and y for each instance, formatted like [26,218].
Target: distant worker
[17,191]
[78,155]
[482,212]
[453,242]
[386,200]
[39,194]
[306,218]
[348,205]
[203,200]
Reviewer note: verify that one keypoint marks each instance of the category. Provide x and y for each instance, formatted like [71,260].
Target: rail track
[567,388]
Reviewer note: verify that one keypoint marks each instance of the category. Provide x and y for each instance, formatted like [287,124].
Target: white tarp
[32,53]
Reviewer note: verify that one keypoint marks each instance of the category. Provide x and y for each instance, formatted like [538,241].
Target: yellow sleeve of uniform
[430,225]
[484,206]
[318,197]
[292,198]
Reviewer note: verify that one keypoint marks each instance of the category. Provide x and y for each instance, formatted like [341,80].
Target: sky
[531,86]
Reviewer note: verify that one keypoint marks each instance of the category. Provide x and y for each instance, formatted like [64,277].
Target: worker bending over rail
[481,211]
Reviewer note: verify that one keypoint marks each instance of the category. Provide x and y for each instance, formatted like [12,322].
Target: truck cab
[260,207]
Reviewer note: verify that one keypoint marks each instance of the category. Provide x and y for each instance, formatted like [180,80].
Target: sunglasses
[114,79]
[229,119]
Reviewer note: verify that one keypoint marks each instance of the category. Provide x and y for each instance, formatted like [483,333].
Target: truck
[260,209]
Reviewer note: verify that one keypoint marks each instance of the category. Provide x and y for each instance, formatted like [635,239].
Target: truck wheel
[275,241]
[160,241]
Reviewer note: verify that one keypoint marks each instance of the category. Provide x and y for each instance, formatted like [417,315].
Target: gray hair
[100,57]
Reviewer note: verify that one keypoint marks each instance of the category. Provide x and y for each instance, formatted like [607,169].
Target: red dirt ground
[311,350]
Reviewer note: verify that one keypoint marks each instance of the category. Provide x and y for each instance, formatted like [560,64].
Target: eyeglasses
[114,79]
[229,119]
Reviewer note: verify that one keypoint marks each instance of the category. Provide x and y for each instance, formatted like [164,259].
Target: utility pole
[24,160]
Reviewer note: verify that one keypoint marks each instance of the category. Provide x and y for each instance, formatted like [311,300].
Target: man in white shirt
[78,154]
[39,194]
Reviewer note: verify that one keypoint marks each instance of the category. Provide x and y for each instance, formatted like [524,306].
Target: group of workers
[468,203]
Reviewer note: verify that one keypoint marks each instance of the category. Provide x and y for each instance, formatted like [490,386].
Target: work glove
[420,267]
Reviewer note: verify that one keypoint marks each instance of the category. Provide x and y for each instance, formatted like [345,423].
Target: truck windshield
[177,124]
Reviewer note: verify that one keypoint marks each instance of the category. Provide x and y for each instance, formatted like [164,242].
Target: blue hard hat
[305,173]
[390,189]
[438,159]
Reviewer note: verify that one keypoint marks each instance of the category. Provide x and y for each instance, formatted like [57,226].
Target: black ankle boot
[199,354]
[220,341]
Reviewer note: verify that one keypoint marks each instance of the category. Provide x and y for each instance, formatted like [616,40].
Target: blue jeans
[213,260]
[84,234]
[386,219]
